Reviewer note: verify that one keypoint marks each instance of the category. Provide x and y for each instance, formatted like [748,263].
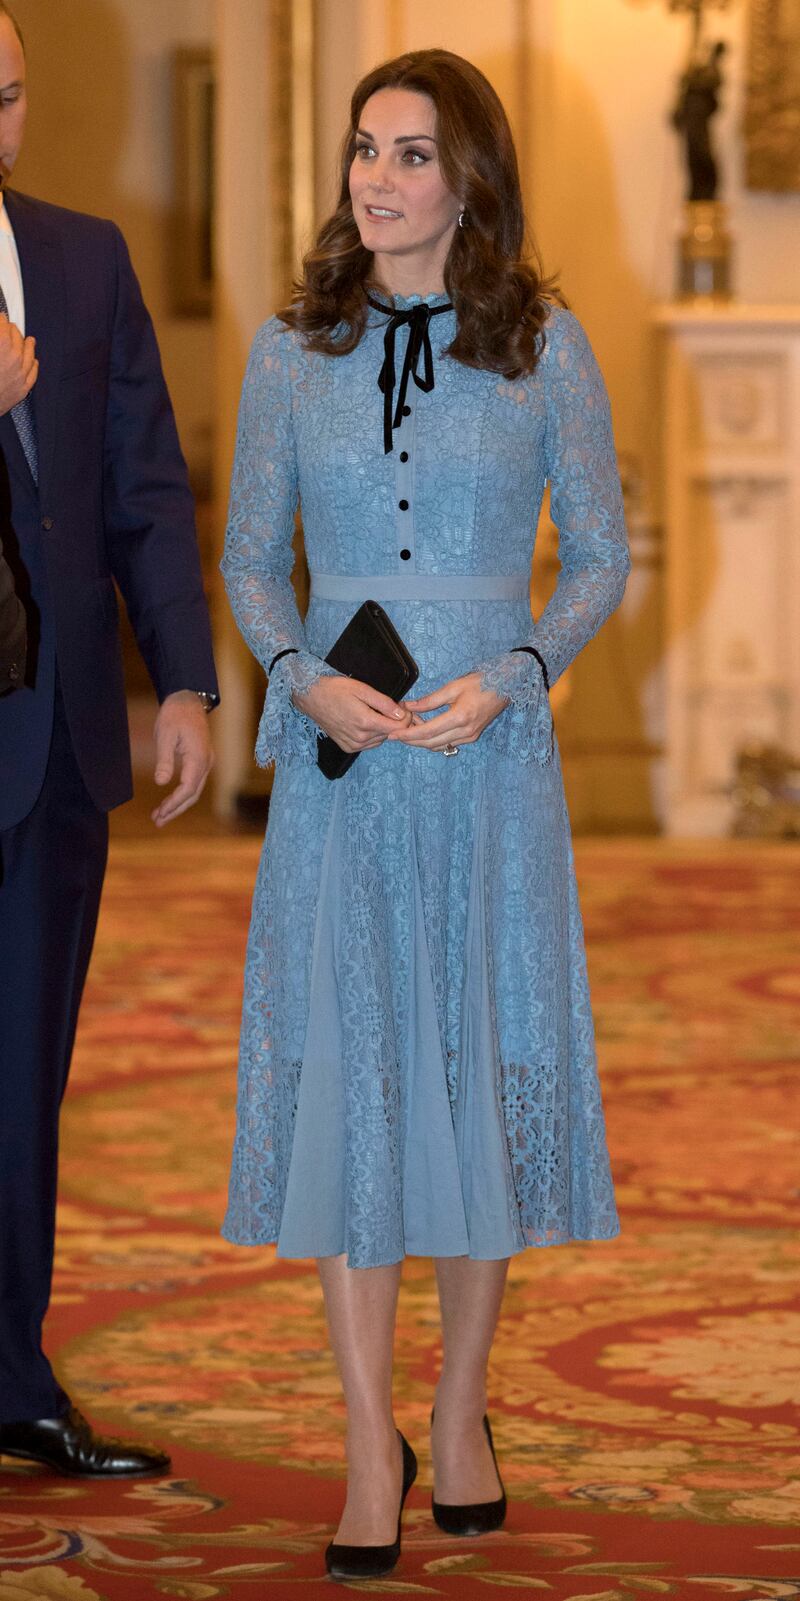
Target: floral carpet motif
[644,1392]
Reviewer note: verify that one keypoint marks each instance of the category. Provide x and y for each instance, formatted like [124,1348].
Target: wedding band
[450,750]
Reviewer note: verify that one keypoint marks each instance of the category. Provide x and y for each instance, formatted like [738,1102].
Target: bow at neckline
[419,345]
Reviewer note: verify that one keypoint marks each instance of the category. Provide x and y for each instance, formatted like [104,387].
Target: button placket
[404,488]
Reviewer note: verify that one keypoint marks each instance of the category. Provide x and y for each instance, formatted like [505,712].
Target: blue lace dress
[417,1068]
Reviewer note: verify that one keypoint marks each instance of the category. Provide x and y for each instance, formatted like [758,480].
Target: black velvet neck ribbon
[419,345]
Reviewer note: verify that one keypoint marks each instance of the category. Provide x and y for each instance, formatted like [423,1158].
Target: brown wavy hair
[500,297]
[4,12]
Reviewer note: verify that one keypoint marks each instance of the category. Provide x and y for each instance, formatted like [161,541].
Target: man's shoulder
[68,224]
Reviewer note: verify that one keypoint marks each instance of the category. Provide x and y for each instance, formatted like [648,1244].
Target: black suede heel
[479,1518]
[372,1561]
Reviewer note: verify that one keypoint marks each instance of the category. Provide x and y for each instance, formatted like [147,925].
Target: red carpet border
[643,1392]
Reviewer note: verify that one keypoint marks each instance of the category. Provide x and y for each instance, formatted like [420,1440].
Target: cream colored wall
[99,140]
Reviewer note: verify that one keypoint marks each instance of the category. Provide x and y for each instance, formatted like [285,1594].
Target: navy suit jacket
[112,502]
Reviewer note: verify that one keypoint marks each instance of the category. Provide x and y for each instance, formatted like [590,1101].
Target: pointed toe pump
[373,1561]
[481,1517]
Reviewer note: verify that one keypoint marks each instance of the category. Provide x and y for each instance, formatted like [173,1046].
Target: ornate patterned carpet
[644,1392]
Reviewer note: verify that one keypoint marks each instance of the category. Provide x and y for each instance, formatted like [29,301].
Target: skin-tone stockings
[361,1305]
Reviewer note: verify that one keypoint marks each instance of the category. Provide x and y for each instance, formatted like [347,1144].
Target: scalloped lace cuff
[284,731]
[525,729]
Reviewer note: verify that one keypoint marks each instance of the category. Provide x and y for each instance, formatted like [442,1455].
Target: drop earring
[461,216]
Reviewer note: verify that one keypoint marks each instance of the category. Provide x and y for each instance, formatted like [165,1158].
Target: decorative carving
[737,496]
[741,401]
[738,405]
[772,107]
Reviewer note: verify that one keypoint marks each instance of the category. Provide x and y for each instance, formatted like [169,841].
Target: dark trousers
[51,875]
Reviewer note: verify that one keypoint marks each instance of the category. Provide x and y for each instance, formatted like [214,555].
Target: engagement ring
[450,750]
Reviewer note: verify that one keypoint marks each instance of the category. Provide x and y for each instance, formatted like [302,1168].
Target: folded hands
[360,718]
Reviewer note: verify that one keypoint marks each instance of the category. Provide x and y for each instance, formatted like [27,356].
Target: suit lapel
[42,267]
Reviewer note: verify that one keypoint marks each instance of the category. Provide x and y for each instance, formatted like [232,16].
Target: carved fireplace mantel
[730,425]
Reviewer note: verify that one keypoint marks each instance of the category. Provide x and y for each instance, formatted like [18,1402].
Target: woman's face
[401,203]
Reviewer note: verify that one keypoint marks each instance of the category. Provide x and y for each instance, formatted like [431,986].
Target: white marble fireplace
[730,388]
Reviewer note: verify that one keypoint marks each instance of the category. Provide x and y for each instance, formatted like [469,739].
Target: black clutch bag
[369,649]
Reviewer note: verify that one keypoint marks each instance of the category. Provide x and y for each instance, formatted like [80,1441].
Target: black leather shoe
[372,1561]
[479,1518]
[70,1445]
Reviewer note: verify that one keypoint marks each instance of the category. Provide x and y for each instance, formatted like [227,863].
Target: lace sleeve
[258,559]
[586,506]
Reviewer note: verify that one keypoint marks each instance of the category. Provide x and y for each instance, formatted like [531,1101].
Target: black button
[406,411]
[405,555]
[404,455]
[47,522]
[403,504]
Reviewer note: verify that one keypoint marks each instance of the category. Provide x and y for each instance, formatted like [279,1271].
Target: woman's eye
[417,158]
[364,150]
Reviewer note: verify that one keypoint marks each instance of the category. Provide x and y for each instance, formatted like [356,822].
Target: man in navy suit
[93,488]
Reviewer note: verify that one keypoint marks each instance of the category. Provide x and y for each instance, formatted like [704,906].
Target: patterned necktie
[23,418]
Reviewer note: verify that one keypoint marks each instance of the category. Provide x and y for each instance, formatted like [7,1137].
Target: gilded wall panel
[772,109]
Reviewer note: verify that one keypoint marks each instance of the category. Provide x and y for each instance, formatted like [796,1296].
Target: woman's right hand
[356,716]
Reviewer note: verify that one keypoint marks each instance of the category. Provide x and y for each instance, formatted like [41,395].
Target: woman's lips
[382,214]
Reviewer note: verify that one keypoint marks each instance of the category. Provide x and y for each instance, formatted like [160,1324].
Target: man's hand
[181,736]
[356,716]
[19,368]
[470,709]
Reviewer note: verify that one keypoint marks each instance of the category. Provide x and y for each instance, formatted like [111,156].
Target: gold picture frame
[192,252]
[772,107]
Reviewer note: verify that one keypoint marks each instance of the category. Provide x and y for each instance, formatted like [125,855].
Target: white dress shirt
[10,275]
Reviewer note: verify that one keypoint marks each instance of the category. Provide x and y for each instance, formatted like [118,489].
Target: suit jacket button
[47,522]
[13,673]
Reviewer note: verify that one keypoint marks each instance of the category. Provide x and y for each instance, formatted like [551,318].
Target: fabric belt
[419,586]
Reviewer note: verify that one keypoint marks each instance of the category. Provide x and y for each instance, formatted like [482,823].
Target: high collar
[407,302]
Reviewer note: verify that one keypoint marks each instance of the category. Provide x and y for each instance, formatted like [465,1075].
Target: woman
[417,1070]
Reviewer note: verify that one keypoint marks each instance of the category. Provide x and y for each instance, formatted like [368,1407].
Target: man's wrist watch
[207,701]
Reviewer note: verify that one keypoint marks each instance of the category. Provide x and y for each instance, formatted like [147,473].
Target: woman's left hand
[470,709]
